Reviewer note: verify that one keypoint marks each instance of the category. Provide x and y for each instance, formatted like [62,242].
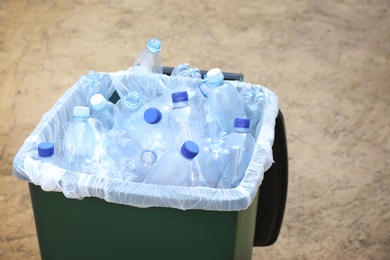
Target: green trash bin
[95,229]
[112,219]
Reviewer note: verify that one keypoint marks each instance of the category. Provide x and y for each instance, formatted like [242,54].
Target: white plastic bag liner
[78,185]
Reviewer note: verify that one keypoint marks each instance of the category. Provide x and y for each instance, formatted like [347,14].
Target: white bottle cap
[214,76]
[81,111]
[98,102]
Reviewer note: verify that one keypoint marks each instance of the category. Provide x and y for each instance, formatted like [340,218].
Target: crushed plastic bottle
[94,83]
[255,100]
[223,103]
[147,71]
[154,137]
[189,173]
[240,144]
[125,112]
[184,121]
[102,110]
[79,140]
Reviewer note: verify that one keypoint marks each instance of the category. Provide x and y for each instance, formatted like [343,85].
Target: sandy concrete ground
[328,62]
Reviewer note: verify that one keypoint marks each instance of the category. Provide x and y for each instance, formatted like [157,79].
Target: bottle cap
[214,76]
[98,102]
[189,149]
[179,96]
[152,115]
[81,111]
[45,149]
[242,122]
[154,45]
[133,99]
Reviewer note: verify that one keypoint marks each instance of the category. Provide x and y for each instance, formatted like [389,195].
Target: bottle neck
[180,104]
[214,85]
[241,130]
[80,119]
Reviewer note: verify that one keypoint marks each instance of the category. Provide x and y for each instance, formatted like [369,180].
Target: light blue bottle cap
[154,45]
[98,102]
[133,99]
[214,76]
[152,115]
[179,96]
[242,122]
[80,111]
[189,149]
[46,149]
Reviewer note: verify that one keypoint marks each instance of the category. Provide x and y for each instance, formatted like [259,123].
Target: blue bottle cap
[242,122]
[152,115]
[45,149]
[189,149]
[154,45]
[179,96]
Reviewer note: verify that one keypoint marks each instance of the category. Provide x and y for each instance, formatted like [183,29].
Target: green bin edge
[92,228]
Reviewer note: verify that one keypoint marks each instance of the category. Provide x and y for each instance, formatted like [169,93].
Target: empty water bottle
[147,70]
[189,173]
[154,136]
[184,78]
[102,110]
[47,153]
[184,121]
[255,100]
[240,144]
[223,103]
[214,163]
[125,112]
[93,83]
[125,150]
[79,139]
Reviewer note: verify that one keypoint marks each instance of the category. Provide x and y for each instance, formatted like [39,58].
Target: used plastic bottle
[125,112]
[102,110]
[155,136]
[214,162]
[240,144]
[178,167]
[46,153]
[79,139]
[93,83]
[223,103]
[125,151]
[255,100]
[147,70]
[184,121]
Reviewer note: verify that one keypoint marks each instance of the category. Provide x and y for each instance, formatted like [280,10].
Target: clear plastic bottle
[214,162]
[93,83]
[46,153]
[240,144]
[154,138]
[125,112]
[223,103]
[147,71]
[79,139]
[189,173]
[255,100]
[102,110]
[184,121]
[125,151]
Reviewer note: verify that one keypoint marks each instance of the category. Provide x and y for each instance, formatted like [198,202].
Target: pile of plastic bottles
[196,134]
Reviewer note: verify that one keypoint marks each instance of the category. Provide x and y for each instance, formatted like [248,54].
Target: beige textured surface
[328,62]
